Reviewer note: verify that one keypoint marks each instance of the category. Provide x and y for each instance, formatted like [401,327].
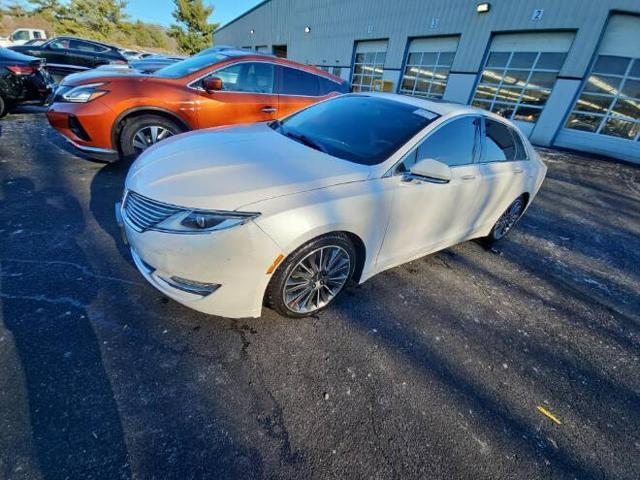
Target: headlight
[202,221]
[84,93]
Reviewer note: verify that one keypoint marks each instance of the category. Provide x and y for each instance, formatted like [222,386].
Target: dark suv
[65,55]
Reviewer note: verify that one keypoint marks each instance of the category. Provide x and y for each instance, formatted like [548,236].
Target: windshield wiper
[302,139]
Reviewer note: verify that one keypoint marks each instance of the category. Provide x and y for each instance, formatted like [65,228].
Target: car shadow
[107,188]
[76,426]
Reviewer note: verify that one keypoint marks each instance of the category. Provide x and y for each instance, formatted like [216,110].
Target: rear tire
[312,277]
[506,221]
[139,133]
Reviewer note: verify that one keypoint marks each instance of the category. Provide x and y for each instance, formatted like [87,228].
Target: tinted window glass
[189,66]
[499,143]
[452,143]
[60,44]
[297,82]
[21,35]
[86,46]
[521,153]
[247,77]
[365,130]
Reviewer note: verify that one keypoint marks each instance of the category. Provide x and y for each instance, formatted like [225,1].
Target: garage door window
[368,67]
[517,85]
[609,103]
[426,74]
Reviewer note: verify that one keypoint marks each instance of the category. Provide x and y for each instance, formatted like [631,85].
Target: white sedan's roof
[439,107]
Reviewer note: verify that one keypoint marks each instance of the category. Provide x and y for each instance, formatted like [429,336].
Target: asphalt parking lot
[431,370]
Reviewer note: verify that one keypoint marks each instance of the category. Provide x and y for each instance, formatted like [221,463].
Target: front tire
[4,108]
[139,133]
[506,221]
[312,277]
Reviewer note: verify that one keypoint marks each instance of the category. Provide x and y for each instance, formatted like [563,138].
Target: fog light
[192,286]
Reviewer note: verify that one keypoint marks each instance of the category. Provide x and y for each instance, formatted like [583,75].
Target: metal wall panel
[336,24]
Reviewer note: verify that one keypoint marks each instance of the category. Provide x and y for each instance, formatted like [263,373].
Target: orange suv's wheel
[139,133]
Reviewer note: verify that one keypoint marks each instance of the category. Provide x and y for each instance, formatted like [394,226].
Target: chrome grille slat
[153,211]
[144,213]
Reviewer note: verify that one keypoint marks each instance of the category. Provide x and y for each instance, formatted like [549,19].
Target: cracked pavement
[434,369]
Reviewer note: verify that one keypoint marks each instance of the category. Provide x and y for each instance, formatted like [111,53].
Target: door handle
[468,177]
[268,109]
[518,170]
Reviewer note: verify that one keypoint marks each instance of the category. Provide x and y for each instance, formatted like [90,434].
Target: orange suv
[113,114]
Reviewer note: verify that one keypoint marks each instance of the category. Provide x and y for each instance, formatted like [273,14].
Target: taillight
[21,70]
[118,62]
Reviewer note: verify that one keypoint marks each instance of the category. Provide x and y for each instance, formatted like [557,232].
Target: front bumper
[87,126]
[236,260]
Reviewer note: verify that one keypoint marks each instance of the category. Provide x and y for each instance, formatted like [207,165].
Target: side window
[453,143]
[521,153]
[21,35]
[37,35]
[247,77]
[86,46]
[59,44]
[499,142]
[298,82]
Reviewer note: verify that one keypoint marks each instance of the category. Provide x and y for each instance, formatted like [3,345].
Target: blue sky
[159,11]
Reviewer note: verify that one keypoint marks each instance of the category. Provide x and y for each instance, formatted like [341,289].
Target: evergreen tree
[197,33]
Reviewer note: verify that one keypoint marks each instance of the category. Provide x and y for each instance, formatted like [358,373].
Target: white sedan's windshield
[358,128]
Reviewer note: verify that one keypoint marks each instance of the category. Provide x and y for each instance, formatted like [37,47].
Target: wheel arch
[139,111]
[356,240]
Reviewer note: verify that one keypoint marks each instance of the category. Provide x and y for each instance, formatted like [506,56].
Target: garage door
[427,66]
[368,65]
[519,74]
[606,116]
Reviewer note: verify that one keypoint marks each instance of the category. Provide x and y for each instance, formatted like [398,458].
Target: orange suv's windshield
[189,66]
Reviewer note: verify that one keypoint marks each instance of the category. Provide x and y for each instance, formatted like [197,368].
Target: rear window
[189,66]
[298,82]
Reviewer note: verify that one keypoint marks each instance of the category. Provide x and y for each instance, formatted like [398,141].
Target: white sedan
[286,213]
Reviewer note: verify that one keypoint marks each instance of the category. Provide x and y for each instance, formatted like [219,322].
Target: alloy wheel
[149,135]
[316,279]
[508,219]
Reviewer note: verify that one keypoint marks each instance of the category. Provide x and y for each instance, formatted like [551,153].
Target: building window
[517,85]
[609,103]
[426,74]
[368,67]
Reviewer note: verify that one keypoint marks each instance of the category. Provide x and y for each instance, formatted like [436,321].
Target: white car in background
[22,36]
[287,212]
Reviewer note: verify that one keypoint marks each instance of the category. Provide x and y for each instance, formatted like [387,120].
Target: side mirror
[431,170]
[212,84]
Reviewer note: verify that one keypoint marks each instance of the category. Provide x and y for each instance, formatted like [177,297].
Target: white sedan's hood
[226,168]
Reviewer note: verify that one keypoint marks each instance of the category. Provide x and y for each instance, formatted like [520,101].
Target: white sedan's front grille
[144,213]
